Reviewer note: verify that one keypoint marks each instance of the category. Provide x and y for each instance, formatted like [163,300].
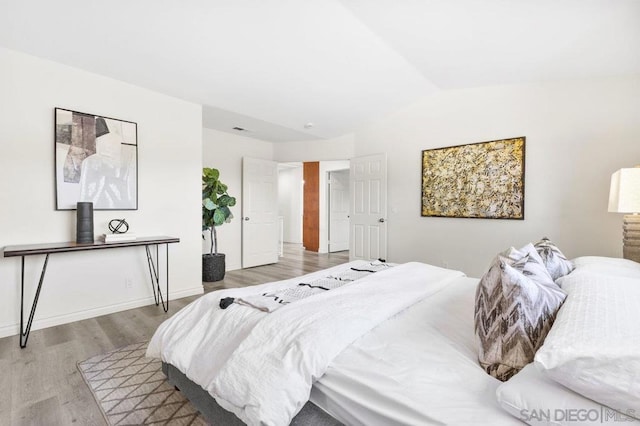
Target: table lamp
[624,197]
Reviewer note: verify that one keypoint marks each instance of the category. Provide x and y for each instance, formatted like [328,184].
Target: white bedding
[418,368]
[260,366]
[594,345]
[538,400]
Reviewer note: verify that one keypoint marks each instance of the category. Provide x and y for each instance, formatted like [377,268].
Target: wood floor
[41,385]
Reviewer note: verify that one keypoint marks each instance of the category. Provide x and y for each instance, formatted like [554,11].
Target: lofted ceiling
[291,70]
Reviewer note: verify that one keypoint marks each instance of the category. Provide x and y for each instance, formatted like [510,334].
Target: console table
[50,248]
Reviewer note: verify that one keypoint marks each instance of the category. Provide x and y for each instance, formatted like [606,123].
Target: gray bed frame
[310,414]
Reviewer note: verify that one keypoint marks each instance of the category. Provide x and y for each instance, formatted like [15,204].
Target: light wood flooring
[41,385]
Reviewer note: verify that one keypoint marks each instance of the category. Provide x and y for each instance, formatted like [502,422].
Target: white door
[338,210]
[368,222]
[259,212]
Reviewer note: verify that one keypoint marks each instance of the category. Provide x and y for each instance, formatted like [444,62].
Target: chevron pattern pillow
[528,261]
[516,304]
[554,260]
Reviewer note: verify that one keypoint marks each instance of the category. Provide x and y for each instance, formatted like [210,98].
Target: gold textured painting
[480,180]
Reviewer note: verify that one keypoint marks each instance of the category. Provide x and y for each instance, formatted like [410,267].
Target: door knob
[246,218]
[381,220]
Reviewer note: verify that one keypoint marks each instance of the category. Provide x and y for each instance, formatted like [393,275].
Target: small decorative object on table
[119,231]
[118,226]
[84,222]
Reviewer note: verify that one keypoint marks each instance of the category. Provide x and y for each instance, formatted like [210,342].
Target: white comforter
[261,366]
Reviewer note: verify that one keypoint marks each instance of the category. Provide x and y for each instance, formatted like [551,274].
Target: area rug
[131,389]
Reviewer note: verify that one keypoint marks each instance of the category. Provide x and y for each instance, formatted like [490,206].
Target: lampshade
[624,195]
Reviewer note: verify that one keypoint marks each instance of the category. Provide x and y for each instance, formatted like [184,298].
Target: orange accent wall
[311,206]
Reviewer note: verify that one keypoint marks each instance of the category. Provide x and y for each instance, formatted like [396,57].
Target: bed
[396,347]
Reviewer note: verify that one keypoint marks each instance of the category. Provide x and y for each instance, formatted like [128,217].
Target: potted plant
[215,212]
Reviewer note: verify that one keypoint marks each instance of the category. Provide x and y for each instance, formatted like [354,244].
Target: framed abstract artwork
[96,160]
[480,180]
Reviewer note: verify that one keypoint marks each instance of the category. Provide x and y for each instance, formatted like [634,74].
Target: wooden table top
[46,248]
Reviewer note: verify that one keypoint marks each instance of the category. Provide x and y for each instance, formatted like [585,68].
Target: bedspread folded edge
[268,378]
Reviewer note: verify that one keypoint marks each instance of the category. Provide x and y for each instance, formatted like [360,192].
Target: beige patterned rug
[132,390]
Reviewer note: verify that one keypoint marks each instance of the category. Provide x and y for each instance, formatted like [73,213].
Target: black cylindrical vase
[84,223]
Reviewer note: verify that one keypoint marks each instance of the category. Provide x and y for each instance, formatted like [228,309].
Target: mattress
[418,368]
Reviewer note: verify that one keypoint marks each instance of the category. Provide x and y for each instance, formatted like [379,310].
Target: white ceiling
[272,66]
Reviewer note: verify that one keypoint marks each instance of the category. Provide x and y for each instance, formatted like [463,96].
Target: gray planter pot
[213,267]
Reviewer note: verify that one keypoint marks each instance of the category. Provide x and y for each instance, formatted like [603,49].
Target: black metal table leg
[24,334]
[154,268]
[72,246]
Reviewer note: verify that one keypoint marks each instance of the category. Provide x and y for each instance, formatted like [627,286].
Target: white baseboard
[14,329]
[233,267]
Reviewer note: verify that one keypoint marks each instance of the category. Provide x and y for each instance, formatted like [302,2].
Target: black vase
[213,266]
[84,223]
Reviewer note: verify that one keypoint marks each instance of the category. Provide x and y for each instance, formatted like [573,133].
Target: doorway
[338,201]
[292,191]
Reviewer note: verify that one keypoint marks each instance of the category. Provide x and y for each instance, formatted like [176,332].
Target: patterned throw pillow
[516,304]
[528,261]
[556,262]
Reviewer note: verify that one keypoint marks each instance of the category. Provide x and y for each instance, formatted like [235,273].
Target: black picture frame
[483,180]
[95,160]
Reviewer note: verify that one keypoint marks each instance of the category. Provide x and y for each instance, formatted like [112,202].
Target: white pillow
[594,344]
[608,266]
[533,398]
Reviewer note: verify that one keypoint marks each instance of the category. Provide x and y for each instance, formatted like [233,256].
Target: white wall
[340,148]
[81,285]
[325,168]
[578,133]
[224,152]
[290,203]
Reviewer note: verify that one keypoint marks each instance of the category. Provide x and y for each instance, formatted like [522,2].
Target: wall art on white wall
[96,159]
[480,180]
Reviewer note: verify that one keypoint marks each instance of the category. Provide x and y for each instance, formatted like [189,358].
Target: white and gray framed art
[96,160]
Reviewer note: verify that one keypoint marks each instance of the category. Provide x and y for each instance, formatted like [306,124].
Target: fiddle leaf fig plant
[215,205]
